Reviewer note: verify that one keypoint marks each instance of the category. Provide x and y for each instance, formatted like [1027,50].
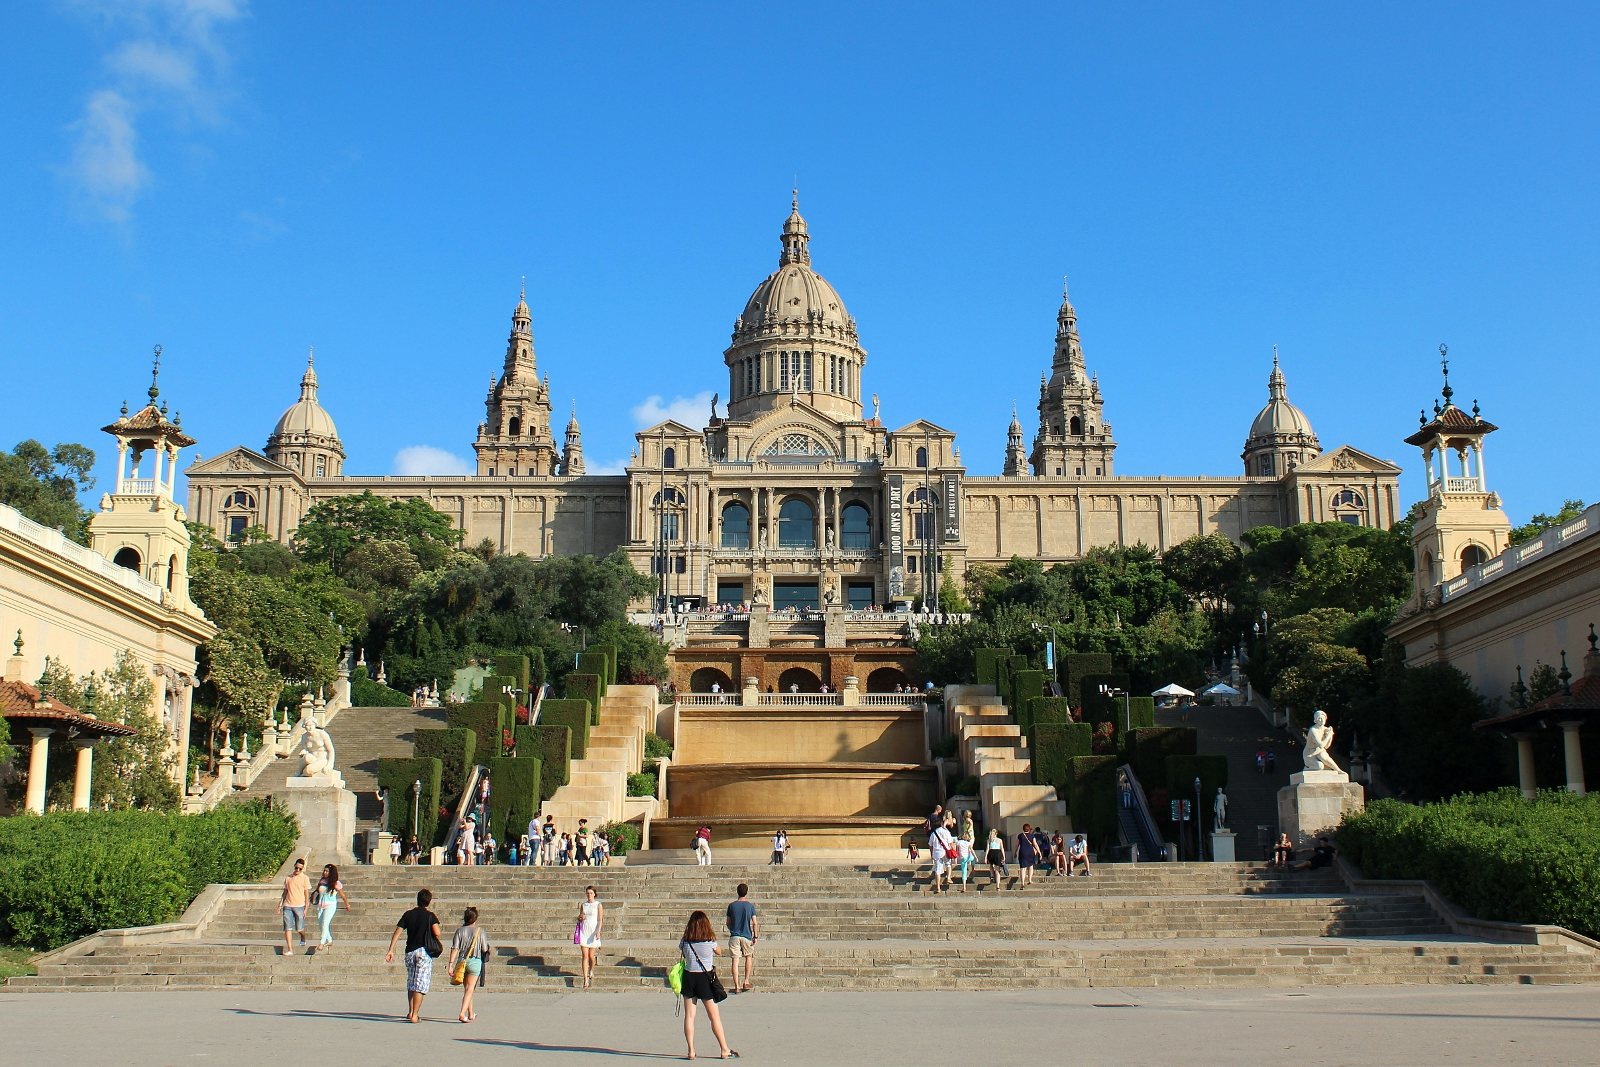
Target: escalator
[1137,836]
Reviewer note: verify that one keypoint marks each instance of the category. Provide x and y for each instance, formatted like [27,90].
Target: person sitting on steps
[1321,856]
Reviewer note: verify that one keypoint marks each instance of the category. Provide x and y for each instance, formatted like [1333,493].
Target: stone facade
[797,495]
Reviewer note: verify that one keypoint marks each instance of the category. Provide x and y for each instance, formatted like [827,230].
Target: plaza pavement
[1391,1026]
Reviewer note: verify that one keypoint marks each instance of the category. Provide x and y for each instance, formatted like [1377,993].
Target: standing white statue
[1319,739]
[1219,810]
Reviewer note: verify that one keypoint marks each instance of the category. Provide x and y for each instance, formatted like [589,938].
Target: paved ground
[1533,1025]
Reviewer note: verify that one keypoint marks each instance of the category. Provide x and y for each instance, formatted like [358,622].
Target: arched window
[1349,506]
[797,524]
[669,506]
[1348,498]
[322,467]
[924,508]
[855,523]
[516,426]
[1473,556]
[240,501]
[922,456]
[669,458]
[172,570]
[1076,427]
[736,526]
[129,558]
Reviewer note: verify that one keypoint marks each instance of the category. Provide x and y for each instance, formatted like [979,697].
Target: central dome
[305,417]
[795,338]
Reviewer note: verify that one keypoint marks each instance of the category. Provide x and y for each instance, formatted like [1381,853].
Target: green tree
[335,528]
[1570,509]
[1205,567]
[129,772]
[44,485]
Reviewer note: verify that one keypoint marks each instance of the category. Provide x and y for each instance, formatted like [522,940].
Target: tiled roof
[24,704]
[1451,420]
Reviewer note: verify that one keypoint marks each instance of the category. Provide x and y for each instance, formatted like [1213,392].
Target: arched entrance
[884,679]
[704,678]
[129,558]
[801,678]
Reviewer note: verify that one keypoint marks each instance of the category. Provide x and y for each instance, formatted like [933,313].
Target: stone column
[1569,742]
[38,767]
[1527,779]
[83,775]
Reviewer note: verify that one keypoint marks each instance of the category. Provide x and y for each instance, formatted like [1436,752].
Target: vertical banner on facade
[897,537]
[952,508]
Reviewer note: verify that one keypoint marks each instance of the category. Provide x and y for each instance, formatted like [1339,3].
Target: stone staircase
[992,746]
[1239,733]
[856,928]
[598,784]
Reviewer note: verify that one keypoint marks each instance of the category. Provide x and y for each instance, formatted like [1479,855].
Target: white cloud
[692,411]
[616,466]
[106,161]
[417,460]
[166,58]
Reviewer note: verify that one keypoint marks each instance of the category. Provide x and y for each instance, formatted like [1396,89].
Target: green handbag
[675,978]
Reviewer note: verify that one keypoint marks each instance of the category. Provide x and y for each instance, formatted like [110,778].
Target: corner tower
[1074,438]
[795,340]
[1461,523]
[514,438]
[1281,437]
[140,524]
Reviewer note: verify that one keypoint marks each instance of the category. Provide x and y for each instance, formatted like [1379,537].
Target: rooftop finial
[1594,640]
[794,196]
[522,289]
[1274,355]
[1064,295]
[1565,675]
[17,644]
[1444,364]
[155,373]
[311,357]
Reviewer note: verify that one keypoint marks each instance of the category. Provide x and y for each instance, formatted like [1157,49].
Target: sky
[1354,183]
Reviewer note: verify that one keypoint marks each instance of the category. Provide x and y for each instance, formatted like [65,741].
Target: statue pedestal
[326,812]
[380,855]
[1313,803]
[1222,850]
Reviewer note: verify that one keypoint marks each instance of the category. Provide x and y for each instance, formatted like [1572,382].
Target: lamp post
[1199,847]
[416,807]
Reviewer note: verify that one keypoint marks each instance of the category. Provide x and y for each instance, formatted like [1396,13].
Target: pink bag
[577,933]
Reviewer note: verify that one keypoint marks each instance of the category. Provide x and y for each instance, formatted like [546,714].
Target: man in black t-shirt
[416,924]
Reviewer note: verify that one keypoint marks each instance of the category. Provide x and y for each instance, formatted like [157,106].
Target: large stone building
[799,495]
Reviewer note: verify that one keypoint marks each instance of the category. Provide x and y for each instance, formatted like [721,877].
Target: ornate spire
[1444,364]
[1277,385]
[1069,349]
[308,380]
[796,237]
[519,346]
[572,452]
[1016,464]
[155,373]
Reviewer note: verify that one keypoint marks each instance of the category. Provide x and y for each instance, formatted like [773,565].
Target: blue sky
[1354,183]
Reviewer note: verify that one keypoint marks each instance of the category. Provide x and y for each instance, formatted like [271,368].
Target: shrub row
[455,748]
[1148,748]
[574,715]
[366,693]
[1497,855]
[1092,798]
[552,747]
[68,874]
[397,775]
[513,795]
[587,688]
[1055,745]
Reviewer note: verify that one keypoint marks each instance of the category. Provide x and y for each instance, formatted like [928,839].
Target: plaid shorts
[419,971]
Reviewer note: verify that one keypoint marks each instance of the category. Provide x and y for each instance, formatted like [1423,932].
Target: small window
[516,426]
[1473,556]
[1099,472]
[129,558]
[922,457]
[237,524]
[1348,498]
[322,467]
[736,526]
[241,500]
[491,472]
[1266,467]
[856,527]
[669,458]
[1353,520]
[1076,427]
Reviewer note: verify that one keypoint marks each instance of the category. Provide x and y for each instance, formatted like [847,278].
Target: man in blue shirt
[743,929]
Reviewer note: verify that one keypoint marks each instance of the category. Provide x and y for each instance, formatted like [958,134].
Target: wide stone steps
[906,965]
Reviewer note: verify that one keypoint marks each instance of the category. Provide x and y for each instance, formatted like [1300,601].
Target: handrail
[1141,806]
[461,805]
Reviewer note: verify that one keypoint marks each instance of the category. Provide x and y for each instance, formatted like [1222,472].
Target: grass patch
[14,961]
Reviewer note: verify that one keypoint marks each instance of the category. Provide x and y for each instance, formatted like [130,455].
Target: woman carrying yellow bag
[468,949]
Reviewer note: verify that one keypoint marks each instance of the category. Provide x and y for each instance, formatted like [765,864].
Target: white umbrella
[1172,689]
[1221,689]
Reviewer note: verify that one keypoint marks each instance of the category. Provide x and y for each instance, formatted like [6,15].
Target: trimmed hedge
[366,693]
[612,660]
[596,662]
[986,664]
[586,687]
[513,667]
[641,784]
[486,719]
[1078,665]
[455,748]
[552,747]
[1039,710]
[69,874]
[1100,708]
[397,776]
[513,795]
[1149,747]
[574,715]
[1496,855]
[1055,745]
[1092,798]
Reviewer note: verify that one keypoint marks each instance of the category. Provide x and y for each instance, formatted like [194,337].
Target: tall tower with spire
[572,453]
[514,439]
[140,524]
[1461,523]
[1074,438]
[1281,437]
[1016,455]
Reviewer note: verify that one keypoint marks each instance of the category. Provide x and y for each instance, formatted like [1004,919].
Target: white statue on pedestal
[1219,810]
[316,749]
[1319,738]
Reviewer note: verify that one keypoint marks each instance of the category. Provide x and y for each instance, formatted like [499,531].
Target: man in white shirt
[940,843]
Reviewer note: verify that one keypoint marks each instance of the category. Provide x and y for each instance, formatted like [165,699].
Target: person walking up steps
[699,951]
[942,846]
[591,918]
[995,855]
[292,905]
[329,892]
[1027,856]
[470,947]
[702,846]
[417,924]
[743,929]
